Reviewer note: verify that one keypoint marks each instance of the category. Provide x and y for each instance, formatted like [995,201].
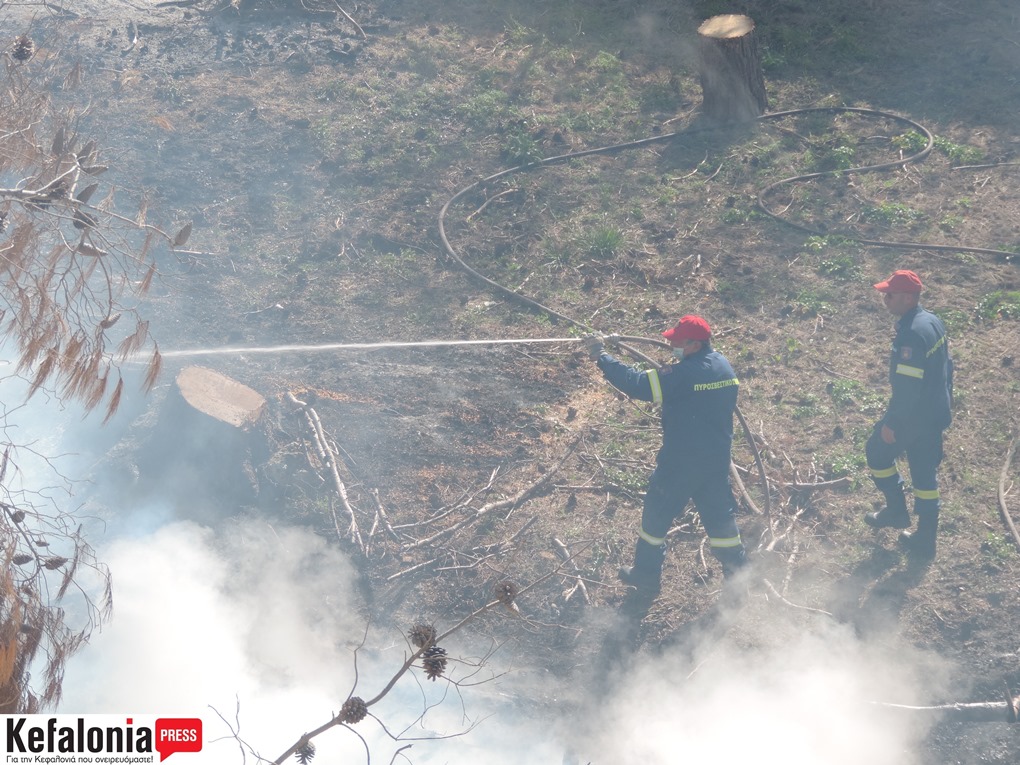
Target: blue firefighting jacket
[920,373]
[698,396]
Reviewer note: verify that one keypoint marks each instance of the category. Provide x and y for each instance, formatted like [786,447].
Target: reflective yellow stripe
[884,472]
[926,493]
[657,541]
[653,380]
[903,369]
[725,541]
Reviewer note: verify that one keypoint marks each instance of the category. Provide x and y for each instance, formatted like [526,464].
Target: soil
[313,157]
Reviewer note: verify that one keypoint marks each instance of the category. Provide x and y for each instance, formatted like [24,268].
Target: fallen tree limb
[1003,509]
[329,460]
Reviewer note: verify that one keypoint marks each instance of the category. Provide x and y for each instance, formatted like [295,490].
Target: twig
[568,558]
[775,592]
[493,198]
[347,16]
[382,515]
[511,502]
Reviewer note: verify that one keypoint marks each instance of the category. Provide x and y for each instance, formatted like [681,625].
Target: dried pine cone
[305,753]
[434,662]
[506,592]
[422,634]
[353,710]
[24,48]
[3,222]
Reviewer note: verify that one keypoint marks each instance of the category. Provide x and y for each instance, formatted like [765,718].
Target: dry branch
[1001,493]
[502,504]
[329,458]
[565,555]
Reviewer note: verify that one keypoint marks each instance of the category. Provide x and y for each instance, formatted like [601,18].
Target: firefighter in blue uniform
[698,395]
[921,376]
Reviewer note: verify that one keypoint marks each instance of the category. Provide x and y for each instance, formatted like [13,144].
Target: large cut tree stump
[732,85]
[210,437]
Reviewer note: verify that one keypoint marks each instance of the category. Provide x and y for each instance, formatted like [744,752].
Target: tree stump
[209,438]
[732,85]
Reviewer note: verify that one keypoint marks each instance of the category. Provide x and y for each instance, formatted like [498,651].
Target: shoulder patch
[906,352]
[666,370]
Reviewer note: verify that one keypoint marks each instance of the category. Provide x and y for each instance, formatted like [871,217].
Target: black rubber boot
[889,518]
[894,514]
[733,559]
[920,542]
[646,573]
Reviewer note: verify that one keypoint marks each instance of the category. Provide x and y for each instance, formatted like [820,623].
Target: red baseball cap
[900,281]
[688,328]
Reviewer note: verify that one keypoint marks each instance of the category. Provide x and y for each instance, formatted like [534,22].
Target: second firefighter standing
[919,410]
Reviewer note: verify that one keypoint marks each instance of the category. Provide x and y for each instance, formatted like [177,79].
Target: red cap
[688,328]
[900,281]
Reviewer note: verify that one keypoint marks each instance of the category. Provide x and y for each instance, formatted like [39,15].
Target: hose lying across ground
[520,299]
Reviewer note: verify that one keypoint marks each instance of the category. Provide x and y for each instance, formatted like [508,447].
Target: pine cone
[24,48]
[422,634]
[433,661]
[305,753]
[54,563]
[22,559]
[3,222]
[353,711]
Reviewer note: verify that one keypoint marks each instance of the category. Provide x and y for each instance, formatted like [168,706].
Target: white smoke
[253,625]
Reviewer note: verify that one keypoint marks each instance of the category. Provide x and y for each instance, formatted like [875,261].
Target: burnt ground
[313,159]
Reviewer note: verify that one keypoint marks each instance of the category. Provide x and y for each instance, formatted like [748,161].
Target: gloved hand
[594,344]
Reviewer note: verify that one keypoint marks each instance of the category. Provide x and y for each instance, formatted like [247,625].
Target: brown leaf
[87,249]
[182,235]
[58,143]
[164,123]
[85,194]
[96,169]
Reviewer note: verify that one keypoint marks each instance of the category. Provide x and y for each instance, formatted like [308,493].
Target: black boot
[920,542]
[733,559]
[646,573]
[894,514]
[889,517]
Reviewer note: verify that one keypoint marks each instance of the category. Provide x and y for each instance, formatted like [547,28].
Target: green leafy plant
[1001,304]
